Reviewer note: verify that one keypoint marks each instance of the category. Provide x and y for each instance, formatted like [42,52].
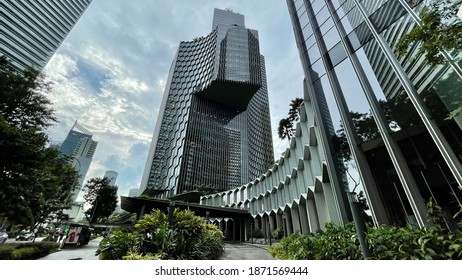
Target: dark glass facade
[389,113]
[214,127]
[32,31]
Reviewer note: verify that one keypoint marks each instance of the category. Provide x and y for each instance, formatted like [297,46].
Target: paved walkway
[246,251]
[233,251]
[86,252]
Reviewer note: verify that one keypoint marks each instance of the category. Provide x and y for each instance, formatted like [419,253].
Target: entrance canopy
[146,205]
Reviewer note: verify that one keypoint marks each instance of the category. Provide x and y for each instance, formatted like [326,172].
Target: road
[246,251]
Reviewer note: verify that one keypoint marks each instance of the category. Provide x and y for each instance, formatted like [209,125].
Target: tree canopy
[286,125]
[35,180]
[102,198]
[440,30]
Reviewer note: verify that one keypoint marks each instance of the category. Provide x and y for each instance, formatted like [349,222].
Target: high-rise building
[112,176]
[133,192]
[80,147]
[213,130]
[32,31]
[391,134]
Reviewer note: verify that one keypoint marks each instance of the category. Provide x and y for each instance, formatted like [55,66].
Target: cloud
[111,71]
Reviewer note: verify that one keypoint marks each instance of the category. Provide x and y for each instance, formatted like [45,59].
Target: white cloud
[111,71]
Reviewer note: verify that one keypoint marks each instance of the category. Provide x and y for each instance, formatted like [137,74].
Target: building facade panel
[215,128]
[32,31]
[389,113]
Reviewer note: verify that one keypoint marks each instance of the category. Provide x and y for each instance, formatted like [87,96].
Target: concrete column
[279,221]
[313,220]
[264,227]
[295,220]
[288,222]
[303,214]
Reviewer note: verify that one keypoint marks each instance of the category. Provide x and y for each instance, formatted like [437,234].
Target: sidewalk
[86,252]
[246,251]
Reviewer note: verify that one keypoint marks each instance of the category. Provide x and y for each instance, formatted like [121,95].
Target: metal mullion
[438,137]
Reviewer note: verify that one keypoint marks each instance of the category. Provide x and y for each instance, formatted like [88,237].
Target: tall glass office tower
[32,31]
[214,129]
[383,116]
[80,147]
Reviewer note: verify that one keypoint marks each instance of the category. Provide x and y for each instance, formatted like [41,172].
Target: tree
[286,126]
[285,129]
[102,198]
[23,97]
[294,111]
[35,181]
[439,31]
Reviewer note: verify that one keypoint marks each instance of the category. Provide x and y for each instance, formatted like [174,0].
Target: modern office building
[80,147]
[213,130]
[391,132]
[32,31]
[371,120]
[112,176]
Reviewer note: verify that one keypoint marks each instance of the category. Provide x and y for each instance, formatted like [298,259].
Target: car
[25,236]
[3,237]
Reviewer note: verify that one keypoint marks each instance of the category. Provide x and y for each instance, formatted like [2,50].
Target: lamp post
[360,223]
[94,209]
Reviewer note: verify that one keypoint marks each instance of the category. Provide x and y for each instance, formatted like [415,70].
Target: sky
[110,72]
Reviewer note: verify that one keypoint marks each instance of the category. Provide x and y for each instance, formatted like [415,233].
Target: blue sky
[111,70]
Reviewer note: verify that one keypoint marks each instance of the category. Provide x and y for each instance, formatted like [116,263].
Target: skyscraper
[391,134]
[80,146]
[112,176]
[32,31]
[213,130]
[133,192]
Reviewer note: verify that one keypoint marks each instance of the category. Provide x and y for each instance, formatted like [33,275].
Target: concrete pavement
[246,251]
[86,252]
[233,251]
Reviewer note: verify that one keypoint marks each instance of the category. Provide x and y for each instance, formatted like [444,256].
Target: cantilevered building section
[80,146]
[32,31]
[214,128]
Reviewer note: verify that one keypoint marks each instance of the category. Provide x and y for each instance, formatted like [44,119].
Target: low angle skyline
[110,73]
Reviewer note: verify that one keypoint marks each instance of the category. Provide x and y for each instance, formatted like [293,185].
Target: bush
[257,233]
[137,256]
[117,245]
[27,251]
[188,238]
[278,233]
[335,243]
[385,243]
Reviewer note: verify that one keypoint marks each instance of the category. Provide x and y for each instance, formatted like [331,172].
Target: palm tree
[285,129]
[294,111]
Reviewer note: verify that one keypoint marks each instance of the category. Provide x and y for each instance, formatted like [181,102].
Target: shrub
[385,243]
[278,233]
[210,244]
[27,251]
[188,237]
[257,233]
[117,245]
[137,256]
[6,250]
[335,243]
